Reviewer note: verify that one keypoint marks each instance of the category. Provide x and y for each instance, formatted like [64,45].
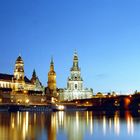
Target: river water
[72,125]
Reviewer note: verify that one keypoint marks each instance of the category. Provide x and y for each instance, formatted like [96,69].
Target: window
[75,86]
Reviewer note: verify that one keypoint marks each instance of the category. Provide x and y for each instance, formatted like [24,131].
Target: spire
[34,77]
[34,74]
[19,59]
[52,62]
[75,62]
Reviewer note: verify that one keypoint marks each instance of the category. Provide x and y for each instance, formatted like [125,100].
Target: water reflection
[68,125]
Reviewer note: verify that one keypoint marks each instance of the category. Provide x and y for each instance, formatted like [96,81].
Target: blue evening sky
[105,33]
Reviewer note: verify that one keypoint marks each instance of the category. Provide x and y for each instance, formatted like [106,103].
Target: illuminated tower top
[52,76]
[75,66]
[19,70]
[52,65]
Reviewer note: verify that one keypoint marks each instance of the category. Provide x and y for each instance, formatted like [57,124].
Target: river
[72,125]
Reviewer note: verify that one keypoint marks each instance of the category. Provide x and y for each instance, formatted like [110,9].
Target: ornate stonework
[75,88]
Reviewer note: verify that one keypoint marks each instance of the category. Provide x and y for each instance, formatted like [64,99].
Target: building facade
[18,81]
[75,89]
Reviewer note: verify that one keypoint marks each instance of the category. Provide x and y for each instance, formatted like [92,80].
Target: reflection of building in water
[53,128]
[21,125]
[130,123]
[75,88]
[75,123]
[117,123]
[75,126]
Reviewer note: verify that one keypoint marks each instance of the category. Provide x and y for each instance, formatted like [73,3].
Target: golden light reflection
[77,119]
[116,123]
[91,123]
[130,123]
[75,125]
[87,117]
[61,117]
[110,124]
[34,117]
[53,126]
[25,124]
[12,121]
[104,125]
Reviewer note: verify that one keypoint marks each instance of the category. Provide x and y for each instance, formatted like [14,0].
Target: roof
[27,80]
[8,77]
[19,60]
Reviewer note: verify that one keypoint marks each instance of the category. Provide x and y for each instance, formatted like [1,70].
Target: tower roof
[34,73]
[75,66]
[75,56]
[52,62]
[19,59]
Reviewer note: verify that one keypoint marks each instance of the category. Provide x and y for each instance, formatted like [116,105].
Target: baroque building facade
[75,89]
[18,81]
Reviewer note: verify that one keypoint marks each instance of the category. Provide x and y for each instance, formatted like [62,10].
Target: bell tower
[19,70]
[19,74]
[75,81]
[52,77]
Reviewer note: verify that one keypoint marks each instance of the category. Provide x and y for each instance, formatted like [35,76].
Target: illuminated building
[51,90]
[18,81]
[75,88]
[52,77]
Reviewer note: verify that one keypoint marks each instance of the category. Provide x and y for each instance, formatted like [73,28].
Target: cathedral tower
[19,70]
[75,81]
[75,89]
[34,77]
[52,77]
[35,80]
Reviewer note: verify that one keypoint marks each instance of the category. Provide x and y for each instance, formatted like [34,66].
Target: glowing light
[117,124]
[130,124]
[25,124]
[110,124]
[104,125]
[77,120]
[53,101]
[61,117]
[61,107]
[91,123]
[27,101]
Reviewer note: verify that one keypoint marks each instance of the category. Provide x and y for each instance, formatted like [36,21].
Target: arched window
[75,86]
